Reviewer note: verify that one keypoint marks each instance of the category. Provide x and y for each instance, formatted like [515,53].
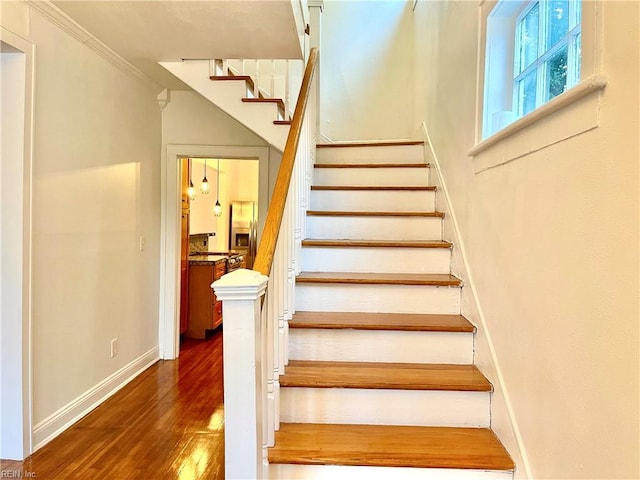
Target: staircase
[240,95]
[381,382]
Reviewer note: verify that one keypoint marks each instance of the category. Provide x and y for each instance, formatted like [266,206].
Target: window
[547,52]
[533,55]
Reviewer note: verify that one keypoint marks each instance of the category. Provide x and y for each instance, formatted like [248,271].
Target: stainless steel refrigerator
[243,229]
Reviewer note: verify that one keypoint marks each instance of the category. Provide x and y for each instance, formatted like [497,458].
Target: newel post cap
[240,284]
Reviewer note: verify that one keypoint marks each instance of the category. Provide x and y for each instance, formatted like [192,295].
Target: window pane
[557,21]
[527,93]
[529,38]
[556,71]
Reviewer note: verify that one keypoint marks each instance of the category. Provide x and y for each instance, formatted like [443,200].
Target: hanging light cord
[217,210]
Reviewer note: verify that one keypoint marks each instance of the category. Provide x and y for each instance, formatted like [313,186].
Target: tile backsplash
[199,242]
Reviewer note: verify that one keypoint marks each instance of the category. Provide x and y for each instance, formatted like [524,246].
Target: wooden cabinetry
[205,311]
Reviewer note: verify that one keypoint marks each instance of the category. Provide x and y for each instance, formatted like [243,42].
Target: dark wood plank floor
[168,423]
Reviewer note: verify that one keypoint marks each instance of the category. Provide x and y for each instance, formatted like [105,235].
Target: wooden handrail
[266,249]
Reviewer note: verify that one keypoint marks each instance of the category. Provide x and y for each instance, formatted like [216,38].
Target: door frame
[16,294]
[169,301]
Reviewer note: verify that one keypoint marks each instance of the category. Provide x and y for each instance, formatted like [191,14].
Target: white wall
[95,192]
[238,181]
[552,243]
[366,65]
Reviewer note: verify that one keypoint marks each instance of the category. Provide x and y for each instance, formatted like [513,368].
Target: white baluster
[272,80]
[287,99]
[256,85]
[225,67]
[271,405]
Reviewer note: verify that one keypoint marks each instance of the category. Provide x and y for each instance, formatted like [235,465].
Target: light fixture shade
[191,191]
[217,210]
[204,186]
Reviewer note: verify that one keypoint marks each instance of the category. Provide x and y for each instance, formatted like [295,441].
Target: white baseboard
[59,421]
[460,268]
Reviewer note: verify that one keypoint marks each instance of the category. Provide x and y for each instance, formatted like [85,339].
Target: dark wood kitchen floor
[168,423]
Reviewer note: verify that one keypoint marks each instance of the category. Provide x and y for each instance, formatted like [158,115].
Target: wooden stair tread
[382,321]
[339,213]
[246,78]
[427,279]
[374,188]
[405,376]
[389,446]
[279,101]
[282,122]
[371,165]
[368,144]
[376,243]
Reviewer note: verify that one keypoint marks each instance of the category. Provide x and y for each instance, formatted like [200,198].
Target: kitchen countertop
[206,259]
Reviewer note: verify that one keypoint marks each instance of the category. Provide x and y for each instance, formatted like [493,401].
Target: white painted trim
[56,423]
[286,471]
[364,406]
[63,21]
[582,89]
[168,331]
[465,274]
[26,182]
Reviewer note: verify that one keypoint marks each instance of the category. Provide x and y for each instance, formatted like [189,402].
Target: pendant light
[204,187]
[191,192]
[217,210]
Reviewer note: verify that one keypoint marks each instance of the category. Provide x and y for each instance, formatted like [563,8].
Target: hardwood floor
[168,423]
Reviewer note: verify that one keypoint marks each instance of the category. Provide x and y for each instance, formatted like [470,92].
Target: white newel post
[244,380]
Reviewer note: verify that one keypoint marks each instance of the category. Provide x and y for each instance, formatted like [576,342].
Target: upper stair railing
[256,331]
[265,78]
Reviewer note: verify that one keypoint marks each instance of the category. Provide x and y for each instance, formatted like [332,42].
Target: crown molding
[63,21]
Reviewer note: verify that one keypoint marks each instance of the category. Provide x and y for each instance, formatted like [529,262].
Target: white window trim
[593,80]
[575,93]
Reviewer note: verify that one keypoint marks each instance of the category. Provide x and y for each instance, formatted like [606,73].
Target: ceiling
[146,32]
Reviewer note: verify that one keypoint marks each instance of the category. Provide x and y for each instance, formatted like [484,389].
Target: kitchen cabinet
[205,311]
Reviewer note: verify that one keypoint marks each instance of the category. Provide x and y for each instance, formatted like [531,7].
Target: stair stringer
[228,95]
[503,421]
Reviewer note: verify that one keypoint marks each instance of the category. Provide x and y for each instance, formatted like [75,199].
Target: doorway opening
[170,236]
[219,199]
[16,56]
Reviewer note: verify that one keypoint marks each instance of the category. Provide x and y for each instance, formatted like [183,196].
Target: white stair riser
[340,472]
[347,345]
[376,407]
[372,177]
[373,200]
[374,228]
[394,154]
[325,297]
[227,95]
[379,260]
